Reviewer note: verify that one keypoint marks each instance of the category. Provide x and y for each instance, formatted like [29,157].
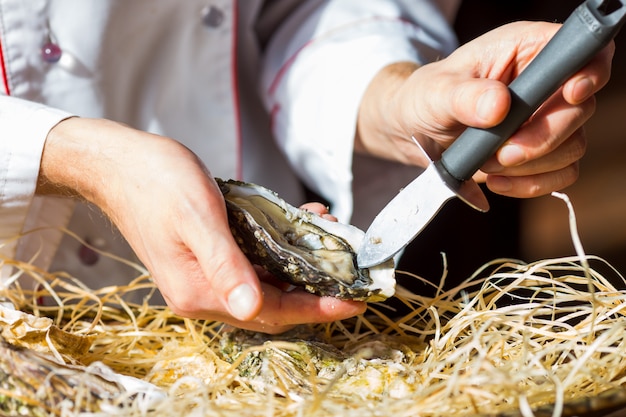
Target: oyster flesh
[301,247]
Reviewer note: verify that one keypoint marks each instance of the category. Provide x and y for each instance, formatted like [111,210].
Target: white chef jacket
[264,91]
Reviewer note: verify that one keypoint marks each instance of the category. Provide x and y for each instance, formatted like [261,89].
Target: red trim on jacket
[3,68]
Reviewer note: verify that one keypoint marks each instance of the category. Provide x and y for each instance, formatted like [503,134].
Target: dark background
[536,228]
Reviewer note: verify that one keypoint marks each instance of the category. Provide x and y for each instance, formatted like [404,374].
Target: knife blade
[589,28]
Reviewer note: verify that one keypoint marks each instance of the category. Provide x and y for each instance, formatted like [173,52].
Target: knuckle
[564,177]
[576,146]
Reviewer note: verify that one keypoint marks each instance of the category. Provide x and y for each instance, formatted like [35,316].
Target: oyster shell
[369,369]
[34,383]
[302,248]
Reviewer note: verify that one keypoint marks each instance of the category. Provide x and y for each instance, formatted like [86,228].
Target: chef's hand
[172,213]
[437,101]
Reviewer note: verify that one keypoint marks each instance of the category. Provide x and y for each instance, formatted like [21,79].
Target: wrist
[389,115]
[380,130]
[79,157]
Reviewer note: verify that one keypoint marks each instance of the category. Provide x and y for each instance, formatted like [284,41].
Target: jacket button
[51,52]
[89,255]
[212,17]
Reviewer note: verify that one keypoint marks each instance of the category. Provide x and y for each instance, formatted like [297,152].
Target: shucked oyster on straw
[302,248]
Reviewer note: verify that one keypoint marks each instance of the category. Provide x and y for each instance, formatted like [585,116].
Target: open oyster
[302,248]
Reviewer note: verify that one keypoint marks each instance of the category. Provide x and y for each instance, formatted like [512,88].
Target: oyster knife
[585,32]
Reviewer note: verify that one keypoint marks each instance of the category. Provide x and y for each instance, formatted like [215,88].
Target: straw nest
[515,339]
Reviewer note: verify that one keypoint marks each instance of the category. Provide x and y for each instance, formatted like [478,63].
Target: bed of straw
[515,339]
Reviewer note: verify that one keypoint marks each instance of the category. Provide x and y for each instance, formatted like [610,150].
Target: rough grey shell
[302,248]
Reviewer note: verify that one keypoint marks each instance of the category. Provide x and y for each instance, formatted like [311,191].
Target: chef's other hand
[437,101]
[167,206]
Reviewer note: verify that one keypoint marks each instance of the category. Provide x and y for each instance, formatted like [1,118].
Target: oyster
[300,362]
[34,383]
[270,364]
[302,248]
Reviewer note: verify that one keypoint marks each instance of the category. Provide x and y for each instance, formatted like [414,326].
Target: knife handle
[585,32]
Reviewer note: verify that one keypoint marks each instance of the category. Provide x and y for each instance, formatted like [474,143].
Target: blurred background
[538,228]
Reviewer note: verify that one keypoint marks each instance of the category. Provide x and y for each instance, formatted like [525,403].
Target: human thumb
[243,302]
[480,102]
[231,278]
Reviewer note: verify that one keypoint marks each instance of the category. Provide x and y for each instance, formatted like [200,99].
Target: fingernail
[583,89]
[485,107]
[511,155]
[242,302]
[500,184]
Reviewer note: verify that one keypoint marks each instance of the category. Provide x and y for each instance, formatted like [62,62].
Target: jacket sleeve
[317,67]
[24,126]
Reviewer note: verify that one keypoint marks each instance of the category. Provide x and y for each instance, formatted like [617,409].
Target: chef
[116,115]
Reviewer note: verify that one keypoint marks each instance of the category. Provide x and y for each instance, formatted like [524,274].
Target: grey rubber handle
[585,32]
